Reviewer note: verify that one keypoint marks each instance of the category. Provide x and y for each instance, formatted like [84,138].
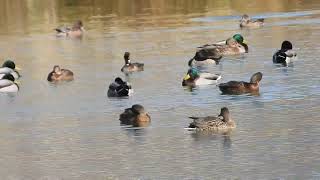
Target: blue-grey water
[71,130]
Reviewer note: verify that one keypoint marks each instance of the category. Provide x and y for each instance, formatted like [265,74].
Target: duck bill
[186,77]
[17,68]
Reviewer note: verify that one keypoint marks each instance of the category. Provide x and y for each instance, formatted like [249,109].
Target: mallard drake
[195,78]
[246,21]
[119,88]
[214,123]
[131,67]
[9,67]
[209,54]
[75,31]
[58,74]
[7,84]
[285,55]
[135,116]
[238,37]
[241,87]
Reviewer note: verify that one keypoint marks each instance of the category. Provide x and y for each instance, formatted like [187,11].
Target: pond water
[72,131]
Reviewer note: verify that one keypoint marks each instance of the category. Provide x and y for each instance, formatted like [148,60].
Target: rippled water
[72,131]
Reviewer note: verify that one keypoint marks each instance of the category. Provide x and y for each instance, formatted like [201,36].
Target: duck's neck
[127,61]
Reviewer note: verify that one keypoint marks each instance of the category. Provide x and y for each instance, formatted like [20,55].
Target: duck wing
[62,29]
[232,87]
[207,53]
[203,122]
[210,76]
[5,83]
[127,116]
[261,20]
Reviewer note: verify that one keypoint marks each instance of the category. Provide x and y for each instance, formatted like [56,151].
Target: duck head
[286,45]
[126,57]
[192,74]
[256,78]
[78,25]
[8,77]
[56,69]
[224,113]
[245,18]
[137,109]
[239,38]
[9,64]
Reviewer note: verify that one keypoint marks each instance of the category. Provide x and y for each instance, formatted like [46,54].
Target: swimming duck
[58,74]
[241,87]
[214,123]
[209,54]
[119,88]
[7,84]
[285,55]
[9,67]
[238,37]
[247,22]
[194,78]
[75,31]
[131,67]
[135,116]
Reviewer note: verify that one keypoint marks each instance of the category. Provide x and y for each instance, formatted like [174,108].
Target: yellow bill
[186,77]
[18,68]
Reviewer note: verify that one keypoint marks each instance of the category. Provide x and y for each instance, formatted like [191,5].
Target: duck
[241,87]
[246,21]
[7,84]
[285,55]
[136,116]
[211,54]
[195,78]
[119,88]
[58,74]
[75,31]
[238,37]
[131,67]
[213,123]
[9,67]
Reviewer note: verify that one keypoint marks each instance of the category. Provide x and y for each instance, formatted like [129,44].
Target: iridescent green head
[193,73]
[238,38]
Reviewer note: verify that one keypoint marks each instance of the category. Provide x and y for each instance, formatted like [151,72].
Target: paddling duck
[136,115]
[58,74]
[75,31]
[246,21]
[285,55]
[194,78]
[214,123]
[7,84]
[129,66]
[9,67]
[241,87]
[119,88]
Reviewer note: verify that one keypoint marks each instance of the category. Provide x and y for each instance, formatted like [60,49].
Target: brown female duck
[214,123]
[246,21]
[75,31]
[241,87]
[135,116]
[58,74]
